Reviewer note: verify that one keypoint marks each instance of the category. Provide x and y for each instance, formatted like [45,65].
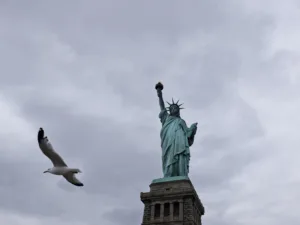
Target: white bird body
[61,170]
[59,166]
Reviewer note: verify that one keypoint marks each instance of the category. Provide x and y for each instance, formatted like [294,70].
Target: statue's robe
[176,138]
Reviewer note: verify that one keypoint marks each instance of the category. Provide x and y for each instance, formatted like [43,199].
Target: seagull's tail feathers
[72,179]
[78,184]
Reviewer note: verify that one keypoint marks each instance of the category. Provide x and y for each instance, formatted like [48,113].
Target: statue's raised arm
[159,87]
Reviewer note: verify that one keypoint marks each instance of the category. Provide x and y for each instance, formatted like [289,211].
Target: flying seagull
[59,166]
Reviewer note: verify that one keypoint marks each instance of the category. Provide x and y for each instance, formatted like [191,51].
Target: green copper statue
[176,138]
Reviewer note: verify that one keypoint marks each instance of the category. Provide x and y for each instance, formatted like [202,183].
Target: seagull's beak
[45,171]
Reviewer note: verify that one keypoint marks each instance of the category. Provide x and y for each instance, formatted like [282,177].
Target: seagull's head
[47,171]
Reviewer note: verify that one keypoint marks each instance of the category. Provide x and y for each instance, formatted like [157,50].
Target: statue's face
[174,110]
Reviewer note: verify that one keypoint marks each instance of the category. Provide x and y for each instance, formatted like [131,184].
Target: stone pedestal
[172,202]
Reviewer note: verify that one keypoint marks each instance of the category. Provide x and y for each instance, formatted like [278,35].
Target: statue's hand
[159,93]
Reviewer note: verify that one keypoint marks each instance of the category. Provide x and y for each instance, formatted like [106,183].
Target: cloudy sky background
[86,70]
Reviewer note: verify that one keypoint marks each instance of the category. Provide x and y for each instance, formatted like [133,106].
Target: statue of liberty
[176,138]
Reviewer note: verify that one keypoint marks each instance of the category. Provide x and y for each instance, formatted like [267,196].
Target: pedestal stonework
[172,203]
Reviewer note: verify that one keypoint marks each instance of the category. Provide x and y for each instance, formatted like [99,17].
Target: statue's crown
[173,104]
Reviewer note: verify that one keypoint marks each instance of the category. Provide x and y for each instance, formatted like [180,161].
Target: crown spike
[173,101]
[180,105]
[177,102]
[169,103]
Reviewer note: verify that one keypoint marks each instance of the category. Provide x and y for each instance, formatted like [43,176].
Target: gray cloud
[124,215]
[85,71]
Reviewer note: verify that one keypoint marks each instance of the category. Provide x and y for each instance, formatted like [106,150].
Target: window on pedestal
[176,209]
[167,209]
[157,210]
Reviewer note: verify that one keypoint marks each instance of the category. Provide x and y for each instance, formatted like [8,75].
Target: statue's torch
[159,86]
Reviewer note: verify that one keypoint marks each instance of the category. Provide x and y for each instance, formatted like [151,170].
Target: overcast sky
[85,71]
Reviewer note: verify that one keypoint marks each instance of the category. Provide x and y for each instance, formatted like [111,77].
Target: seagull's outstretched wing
[48,150]
[72,179]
